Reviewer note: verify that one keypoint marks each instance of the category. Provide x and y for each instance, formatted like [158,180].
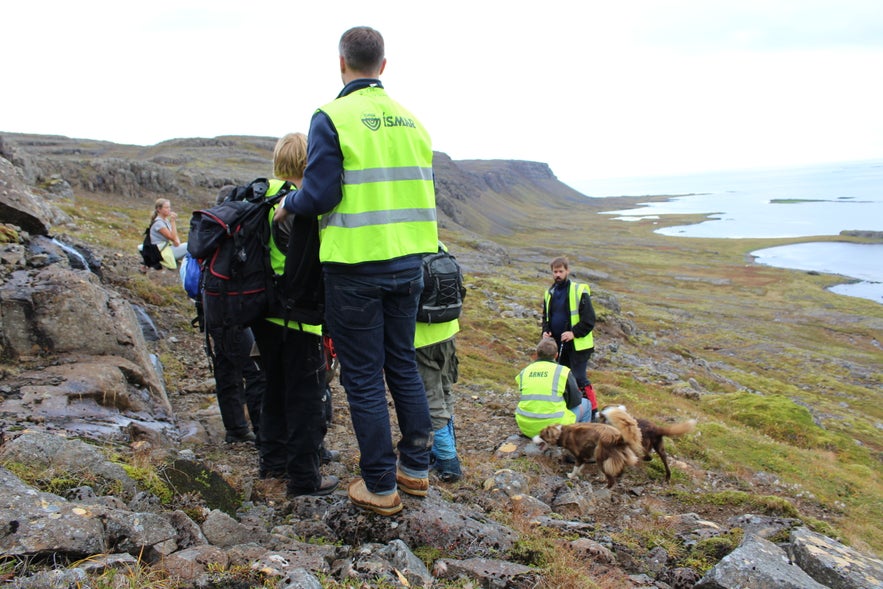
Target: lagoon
[789,202]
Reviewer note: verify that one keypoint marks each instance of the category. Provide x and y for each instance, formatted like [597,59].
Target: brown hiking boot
[382,504]
[412,485]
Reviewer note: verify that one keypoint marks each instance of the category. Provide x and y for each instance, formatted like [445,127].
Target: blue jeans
[371,319]
[583,411]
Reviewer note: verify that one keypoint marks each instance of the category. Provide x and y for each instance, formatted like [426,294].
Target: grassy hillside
[790,375]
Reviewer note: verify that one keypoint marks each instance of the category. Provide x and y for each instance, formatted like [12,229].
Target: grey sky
[595,89]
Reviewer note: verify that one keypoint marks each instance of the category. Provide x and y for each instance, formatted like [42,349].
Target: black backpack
[443,290]
[230,240]
[150,253]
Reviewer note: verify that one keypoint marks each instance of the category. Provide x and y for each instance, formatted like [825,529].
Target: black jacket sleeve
[546,327]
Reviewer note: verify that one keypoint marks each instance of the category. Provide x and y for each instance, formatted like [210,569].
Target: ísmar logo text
[374,122]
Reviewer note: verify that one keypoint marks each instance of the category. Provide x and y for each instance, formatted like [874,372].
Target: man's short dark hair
[546,349]
[362,49]
[559,261]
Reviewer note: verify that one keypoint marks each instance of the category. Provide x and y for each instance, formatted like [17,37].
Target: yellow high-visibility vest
[574,294]
[542,403]
[388,205]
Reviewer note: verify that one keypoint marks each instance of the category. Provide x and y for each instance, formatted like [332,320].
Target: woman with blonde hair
[164,233]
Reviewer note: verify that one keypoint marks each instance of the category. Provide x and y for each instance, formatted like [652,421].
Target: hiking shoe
[412,485]
[360,496]
[326,487]
[234,438]
[594,416]
[449,470]
[327,456]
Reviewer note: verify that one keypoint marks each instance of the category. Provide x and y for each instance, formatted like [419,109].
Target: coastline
[806,203]
[848,259]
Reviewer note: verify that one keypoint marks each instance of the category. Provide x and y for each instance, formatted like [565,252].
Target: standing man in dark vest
[569,318]
[369,179]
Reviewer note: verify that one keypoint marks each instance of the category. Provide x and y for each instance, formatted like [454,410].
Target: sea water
[793,202]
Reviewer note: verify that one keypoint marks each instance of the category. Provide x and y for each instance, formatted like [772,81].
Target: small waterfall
[148,327]
[77,260]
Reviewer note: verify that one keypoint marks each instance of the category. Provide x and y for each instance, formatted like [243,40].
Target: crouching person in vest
[549,393]
[292,355]
[438,366]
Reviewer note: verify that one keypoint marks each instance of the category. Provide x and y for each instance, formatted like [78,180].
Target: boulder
[19,206]
[56,311]
[757,563]
[831,563]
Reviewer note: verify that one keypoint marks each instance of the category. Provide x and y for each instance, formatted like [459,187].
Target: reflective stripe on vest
[542,397]
[574,294]
[531,415]
[356,220]
[386,175]
[387,210]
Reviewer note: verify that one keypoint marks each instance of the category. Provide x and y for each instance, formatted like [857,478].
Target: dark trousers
[293,414]
[577,361]
[238,380]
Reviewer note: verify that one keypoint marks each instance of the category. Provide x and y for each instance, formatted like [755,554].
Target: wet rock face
[81,357]
[59,312]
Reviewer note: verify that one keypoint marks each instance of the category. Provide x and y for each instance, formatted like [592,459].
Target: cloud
[595,89]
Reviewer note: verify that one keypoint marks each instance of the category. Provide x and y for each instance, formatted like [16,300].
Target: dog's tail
[677,429]
[627,426]
[614,458]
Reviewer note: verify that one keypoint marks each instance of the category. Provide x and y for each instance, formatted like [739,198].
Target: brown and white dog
[590,442]
[651,433]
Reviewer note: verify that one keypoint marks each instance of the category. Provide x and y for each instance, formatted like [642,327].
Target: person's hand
[173,216]
[280,214]
[567,336]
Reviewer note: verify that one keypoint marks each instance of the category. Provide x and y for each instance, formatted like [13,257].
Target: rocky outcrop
[807,561]
[21,207]
[129,178]
[81,355]
[873,235]
[831,563]
[186,169]
[194,169]
[127,524]
[65,314]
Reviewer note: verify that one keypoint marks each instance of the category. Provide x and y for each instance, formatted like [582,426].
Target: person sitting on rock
[164,234]
[549,393]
